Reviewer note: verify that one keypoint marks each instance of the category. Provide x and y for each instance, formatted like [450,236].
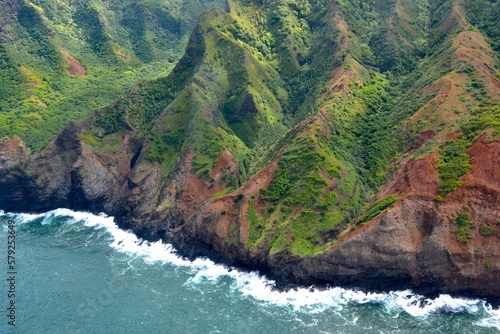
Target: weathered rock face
[69,173]
[12,153]
[412,245]
[148,183]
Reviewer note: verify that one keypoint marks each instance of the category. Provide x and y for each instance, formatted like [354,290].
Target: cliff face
[307,153]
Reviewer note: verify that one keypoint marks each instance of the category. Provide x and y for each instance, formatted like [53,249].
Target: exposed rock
[73,66]
[12,152]
[409,245]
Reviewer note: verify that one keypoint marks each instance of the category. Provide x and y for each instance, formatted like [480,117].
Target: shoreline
[283,284]
[165,275]
[201,250]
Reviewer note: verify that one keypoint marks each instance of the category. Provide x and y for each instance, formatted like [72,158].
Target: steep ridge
[61,59]
[281,142]
[413,244]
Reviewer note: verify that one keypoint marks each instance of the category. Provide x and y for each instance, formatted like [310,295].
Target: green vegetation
[485,115]
[485,15]
[377,208]
[453,164]
[333,166]
[290,182]
[266,80]
[224,192]
[256,224]
[114,42]
[487,231]
[464,227]
[167,203]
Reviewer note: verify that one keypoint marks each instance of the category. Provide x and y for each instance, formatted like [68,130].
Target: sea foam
[258,287]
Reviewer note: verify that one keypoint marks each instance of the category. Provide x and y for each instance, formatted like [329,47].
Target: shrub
[464,227]
[377,208]
[453,164]
[487,231]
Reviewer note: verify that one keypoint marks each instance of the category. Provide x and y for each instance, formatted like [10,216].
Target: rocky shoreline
[410,246]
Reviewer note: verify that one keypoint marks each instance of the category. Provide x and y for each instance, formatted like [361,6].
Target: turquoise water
[79,273]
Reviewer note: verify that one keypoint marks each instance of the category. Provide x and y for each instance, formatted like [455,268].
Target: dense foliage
[115,42]
[464,227]
[334,92]
[485,15]
[453,164]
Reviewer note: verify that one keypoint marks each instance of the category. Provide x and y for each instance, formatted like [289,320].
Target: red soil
[452,136]
[250,188]
[485,162]
[424,138]
[225,161]
[415,178]
[446,92]
[462,55]
[495,82]
[74,67]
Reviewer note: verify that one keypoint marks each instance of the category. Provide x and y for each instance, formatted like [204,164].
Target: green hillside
[61,59]
[336,93]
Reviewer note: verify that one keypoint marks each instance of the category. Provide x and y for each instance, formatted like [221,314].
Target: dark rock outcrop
[410,246]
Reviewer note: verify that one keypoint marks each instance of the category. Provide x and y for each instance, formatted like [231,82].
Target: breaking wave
[258,288]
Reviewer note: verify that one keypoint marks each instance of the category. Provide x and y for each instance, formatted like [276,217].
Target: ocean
[75,272]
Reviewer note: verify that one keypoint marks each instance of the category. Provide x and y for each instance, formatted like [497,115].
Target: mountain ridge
[280,142]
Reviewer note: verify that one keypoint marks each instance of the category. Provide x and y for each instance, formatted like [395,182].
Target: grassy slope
[330,168]
[203,104]
[321,71]
[353,122]
[118,42]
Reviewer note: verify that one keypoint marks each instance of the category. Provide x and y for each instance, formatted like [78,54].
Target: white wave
[47,217]
[493,319]
[261,289]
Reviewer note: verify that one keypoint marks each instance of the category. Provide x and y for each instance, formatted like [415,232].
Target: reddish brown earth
[73,66]
[12,152]
[446,92]
[462,55]
[187,191]
[261,180]
[251,188]
[415,178]
[225,161]
[495,82]
[483,179]
[428,223]
[410,245]
[452,136]
[424,138]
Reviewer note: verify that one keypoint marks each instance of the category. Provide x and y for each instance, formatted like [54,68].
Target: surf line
[11,273]
[260,288]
